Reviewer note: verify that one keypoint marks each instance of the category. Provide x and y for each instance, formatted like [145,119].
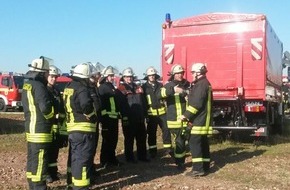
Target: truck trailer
[243,56]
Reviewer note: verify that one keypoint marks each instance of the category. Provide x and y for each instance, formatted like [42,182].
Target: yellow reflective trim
[50,115]
[67,93]
[177,105]
[37,177]
[159,111]
[90,114]
[149,99]
[176,124]
[191,109]
[81,126]
[179,155]
[32,108]
[82,182]
[163,92]
[39,137]
[52,164]
[152,147]
[167,145]
[200,160]
[28,175]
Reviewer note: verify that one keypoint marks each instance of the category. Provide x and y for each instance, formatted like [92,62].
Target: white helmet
[53,70]
[151,71]
[285,80]
[128,72]
[39,65]
[176,69]
[84,70]
[199,68]
[107,71]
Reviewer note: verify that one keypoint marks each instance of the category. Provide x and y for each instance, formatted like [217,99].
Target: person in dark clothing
[133,111]
[156,111]
[59,140]
[81,127]
[199,115]
[109,118]
[175,92]
[94,92]
[39,114]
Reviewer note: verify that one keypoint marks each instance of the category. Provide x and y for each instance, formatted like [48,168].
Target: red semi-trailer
[244,60]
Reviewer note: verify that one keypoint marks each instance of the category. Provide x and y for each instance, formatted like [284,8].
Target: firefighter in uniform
[38,113]
[175,92]
[156,112]
[199,115]
[59,140]
[109,118]
[81,127]
[133,111]
[94,92]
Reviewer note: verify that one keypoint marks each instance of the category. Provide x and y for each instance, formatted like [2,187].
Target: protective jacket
[176,103]
[38,110]
[110,106]
[132,101]
[58,105]
[155,106]
[199,110]
[79,106]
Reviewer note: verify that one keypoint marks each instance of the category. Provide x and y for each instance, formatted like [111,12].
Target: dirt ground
[234,166]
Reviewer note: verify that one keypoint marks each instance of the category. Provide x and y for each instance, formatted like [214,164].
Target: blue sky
[120,33]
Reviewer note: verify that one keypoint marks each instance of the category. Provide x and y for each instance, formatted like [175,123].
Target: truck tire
[3,107]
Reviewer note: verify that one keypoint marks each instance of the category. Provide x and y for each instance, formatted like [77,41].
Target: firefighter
[109,118]
[133,111]
[59,135]
[38,113]
[81,127]
[156,112]
[199,115]
[175,92]
[94,92]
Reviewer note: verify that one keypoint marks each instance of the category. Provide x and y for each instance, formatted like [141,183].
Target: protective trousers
[37,165]
[153,122]
[109,140]
[52,157]
[180,148]
[199,148]
[135,129]
[82,147]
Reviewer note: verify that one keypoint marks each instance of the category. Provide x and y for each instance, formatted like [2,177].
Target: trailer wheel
[3,107]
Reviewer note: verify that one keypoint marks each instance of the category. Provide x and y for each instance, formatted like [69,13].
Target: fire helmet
[39,65]
[107,71]
[176,69]
[53,70]
[83,70]
[199,68]
[128,72]
[151,71]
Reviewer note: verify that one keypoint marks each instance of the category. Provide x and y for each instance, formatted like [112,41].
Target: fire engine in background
[10,91]
[62,81]
[244,58]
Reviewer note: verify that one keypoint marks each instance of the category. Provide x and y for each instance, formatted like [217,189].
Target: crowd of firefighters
[91,103]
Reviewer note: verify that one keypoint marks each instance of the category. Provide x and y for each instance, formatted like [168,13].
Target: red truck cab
[10,91]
